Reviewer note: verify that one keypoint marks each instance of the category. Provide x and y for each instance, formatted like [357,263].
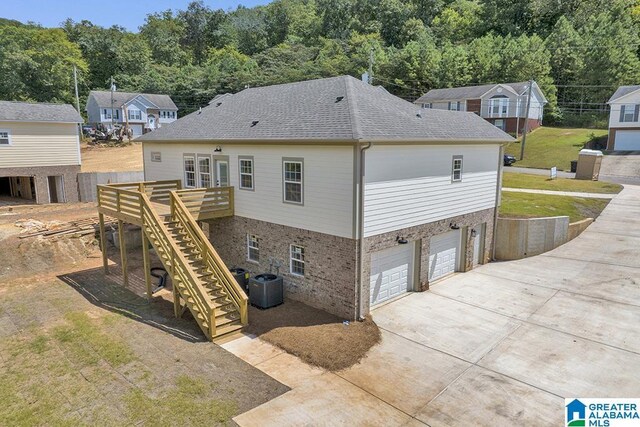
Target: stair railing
[210,256]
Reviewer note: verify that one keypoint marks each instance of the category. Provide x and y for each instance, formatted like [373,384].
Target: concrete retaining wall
[87,182]
[575,228]
[521,238]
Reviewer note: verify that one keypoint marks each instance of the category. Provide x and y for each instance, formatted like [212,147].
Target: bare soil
[315,336]
[78,348]
[111,158]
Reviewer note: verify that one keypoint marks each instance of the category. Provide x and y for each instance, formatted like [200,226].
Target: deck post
[103,245]
[123,252]
[147,266]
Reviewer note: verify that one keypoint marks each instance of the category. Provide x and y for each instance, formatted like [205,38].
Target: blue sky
[126,13]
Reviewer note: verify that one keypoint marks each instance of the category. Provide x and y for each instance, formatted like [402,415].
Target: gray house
[143,112]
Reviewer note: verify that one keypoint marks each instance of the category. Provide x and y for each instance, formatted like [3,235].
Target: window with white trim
[297,259]
[292,181]
[628,113]
[135,114]
[456,169]
[189,171]
[106,114]
[246,173]
[156,156]
[5,137]
[253,247]
[455,106]
[204,172]
[427,105]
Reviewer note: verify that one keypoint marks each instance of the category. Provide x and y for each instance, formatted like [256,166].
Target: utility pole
[113,87]
[75,83]
[526,120]
[371,66]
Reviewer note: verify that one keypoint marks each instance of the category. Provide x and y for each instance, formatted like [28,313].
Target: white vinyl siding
[40,144]
[253,248]
[246,173]
[407,186]
[292,175]
[328,182]
[189,171]
[296,260]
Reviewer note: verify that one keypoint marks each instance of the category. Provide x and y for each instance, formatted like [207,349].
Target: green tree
[228,70]
[454,68]
[457,23]
[36,64]
[163,33]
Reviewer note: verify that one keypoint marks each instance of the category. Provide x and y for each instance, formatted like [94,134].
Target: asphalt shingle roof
[622,91]
[331,109]
[103,98]
[38,112]
[466,92]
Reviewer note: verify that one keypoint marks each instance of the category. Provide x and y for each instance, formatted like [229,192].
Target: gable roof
[471,92]
[331,109]
[38,112]
[623,91]
[103,99]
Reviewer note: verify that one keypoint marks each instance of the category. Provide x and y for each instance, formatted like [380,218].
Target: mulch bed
[315,336]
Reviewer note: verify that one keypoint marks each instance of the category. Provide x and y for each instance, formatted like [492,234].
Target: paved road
[532,171]
[561,193]
[501,345]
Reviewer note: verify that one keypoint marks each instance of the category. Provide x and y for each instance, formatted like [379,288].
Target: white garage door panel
[443,254]
[627,140]
[391,272]
[136,129]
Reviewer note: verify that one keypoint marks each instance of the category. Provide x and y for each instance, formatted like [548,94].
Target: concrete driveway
[501,345]
[621,168]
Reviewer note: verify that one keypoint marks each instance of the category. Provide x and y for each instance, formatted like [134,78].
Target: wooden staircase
[201,281]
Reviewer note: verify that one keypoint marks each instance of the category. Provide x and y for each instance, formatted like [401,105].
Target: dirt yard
[127,157]
[313,335]
[77,348]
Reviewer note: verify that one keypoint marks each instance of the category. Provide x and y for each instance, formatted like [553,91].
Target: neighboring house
[143,112]
[39,151]
[504,105]
[624,126]
[298,155]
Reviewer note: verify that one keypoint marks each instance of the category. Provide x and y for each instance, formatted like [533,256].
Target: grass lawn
[539,182]
[548,147]
[528,205]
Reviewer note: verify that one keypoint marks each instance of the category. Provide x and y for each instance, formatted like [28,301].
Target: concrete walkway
[561,193]
[501,345]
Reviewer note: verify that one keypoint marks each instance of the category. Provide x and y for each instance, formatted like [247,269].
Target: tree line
[578,51]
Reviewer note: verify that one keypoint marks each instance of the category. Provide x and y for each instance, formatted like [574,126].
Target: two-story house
[39,151]
[624,126]
[352,194]
[504,105]
[143,112]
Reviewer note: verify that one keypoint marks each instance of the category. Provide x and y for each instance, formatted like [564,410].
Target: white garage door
[136,129]
[627,140]
[391,272]
[443,254]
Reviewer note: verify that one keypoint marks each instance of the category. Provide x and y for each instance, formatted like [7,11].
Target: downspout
[498,201]
[360,224]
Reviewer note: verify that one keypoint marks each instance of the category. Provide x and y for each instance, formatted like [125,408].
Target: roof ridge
[355,122]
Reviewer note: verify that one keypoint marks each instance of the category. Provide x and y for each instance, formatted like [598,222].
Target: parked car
[509,159]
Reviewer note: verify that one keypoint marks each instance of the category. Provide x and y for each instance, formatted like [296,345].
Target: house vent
[419,115]
[218,104]
[255,122]
[339,98]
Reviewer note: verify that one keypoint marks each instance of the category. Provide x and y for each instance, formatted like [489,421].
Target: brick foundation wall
[40,174]
[511,124]
[422,234]
[329,282]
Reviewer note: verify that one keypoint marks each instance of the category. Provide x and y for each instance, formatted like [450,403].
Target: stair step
[224,318]
[228,328]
